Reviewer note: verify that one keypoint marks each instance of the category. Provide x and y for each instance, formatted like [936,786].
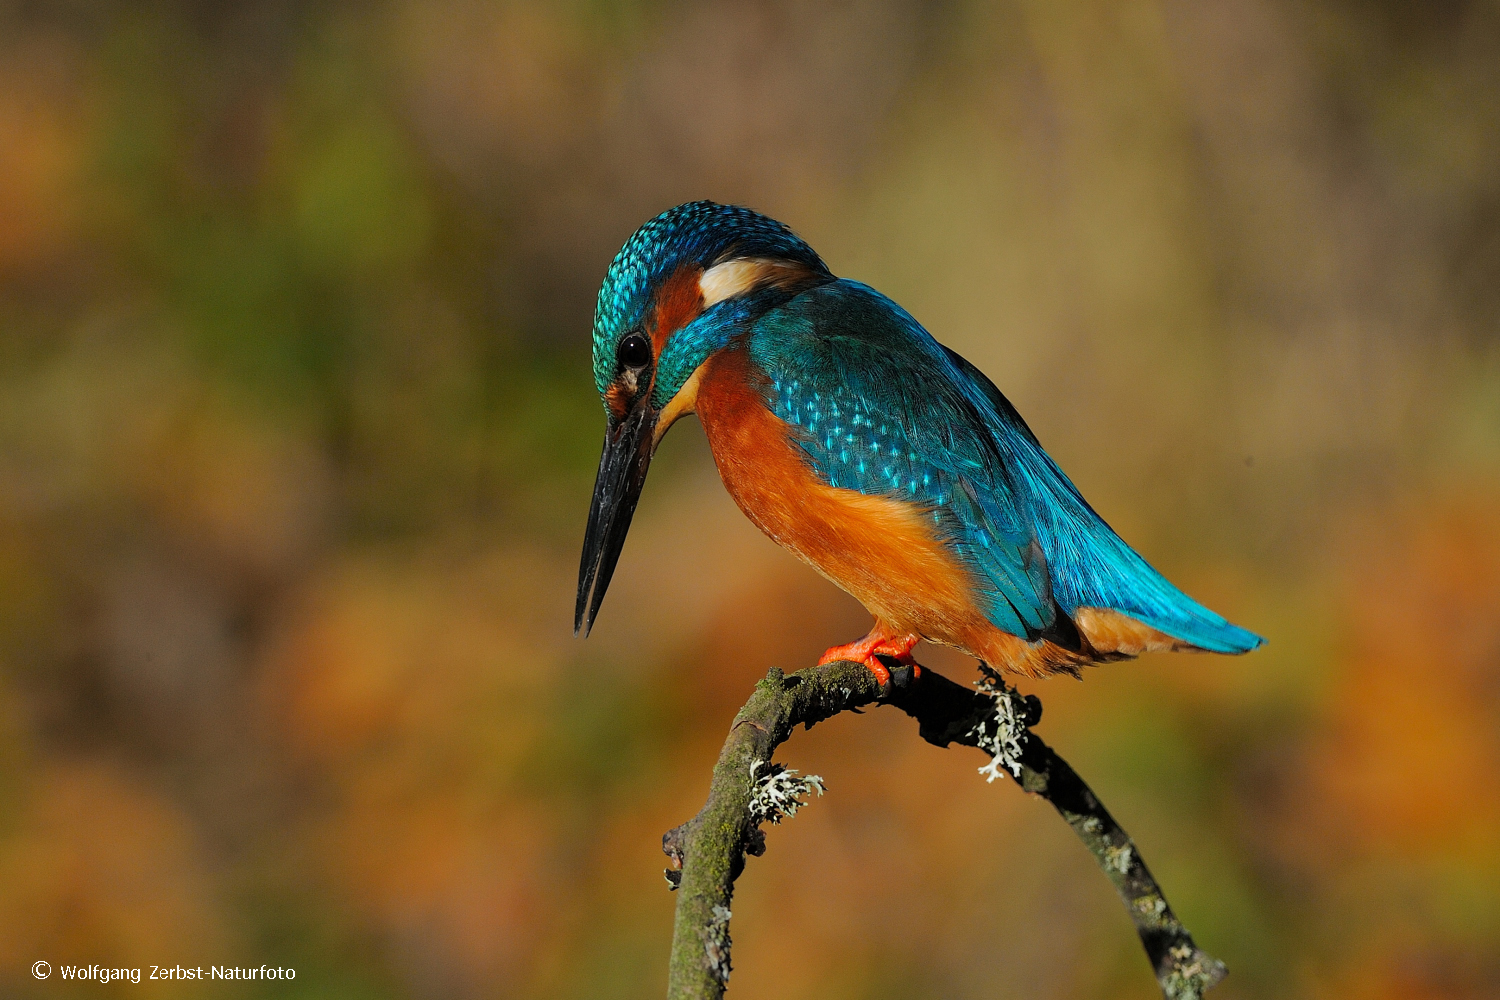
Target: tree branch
[708,852]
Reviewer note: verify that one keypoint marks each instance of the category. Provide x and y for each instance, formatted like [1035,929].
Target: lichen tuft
[716,944]
[778,792]
[1192,973]
[1118,858]
[1000,733]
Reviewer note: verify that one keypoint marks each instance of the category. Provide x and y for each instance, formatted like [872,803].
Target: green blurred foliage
[297,433]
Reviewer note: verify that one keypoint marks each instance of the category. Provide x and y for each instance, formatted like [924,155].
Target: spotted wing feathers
[882,408]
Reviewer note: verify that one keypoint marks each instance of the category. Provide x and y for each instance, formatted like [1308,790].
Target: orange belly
[882,551]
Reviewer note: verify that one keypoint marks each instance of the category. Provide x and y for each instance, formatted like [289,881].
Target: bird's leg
[882,641]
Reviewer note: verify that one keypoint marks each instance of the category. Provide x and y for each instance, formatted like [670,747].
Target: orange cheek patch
[677,303]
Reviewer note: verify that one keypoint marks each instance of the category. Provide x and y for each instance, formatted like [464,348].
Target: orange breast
[881,551]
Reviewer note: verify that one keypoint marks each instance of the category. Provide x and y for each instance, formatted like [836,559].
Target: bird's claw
[880,652]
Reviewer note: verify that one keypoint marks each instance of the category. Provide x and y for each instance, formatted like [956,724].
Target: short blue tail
[1091,566]
[1088,565]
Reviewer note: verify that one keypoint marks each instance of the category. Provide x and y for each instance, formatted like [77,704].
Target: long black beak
[622,472]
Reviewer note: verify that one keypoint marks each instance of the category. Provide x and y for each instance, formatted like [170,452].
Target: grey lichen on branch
[708,852]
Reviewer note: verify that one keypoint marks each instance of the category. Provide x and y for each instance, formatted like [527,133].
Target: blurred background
[297,433]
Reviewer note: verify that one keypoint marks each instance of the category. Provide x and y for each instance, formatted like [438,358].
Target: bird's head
[679,290]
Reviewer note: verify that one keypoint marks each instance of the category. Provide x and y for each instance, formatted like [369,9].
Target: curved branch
[708,852]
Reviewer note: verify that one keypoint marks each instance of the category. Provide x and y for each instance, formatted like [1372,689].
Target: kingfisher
[882,459]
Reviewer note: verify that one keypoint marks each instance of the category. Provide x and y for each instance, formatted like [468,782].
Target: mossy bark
[712,846]
[710,849]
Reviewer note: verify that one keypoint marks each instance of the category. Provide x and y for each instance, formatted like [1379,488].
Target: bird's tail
[1107,573]
[1089,565]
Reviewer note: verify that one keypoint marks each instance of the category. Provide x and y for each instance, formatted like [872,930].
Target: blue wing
[887,410]
[882,414]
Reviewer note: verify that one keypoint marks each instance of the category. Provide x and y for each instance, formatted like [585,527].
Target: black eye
[635,351]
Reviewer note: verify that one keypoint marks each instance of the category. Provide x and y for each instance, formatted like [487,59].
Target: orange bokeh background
[297,433]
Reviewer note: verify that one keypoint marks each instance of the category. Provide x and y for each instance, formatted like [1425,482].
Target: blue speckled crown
[699,231]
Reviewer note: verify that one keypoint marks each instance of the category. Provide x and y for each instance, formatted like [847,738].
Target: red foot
[880,642]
